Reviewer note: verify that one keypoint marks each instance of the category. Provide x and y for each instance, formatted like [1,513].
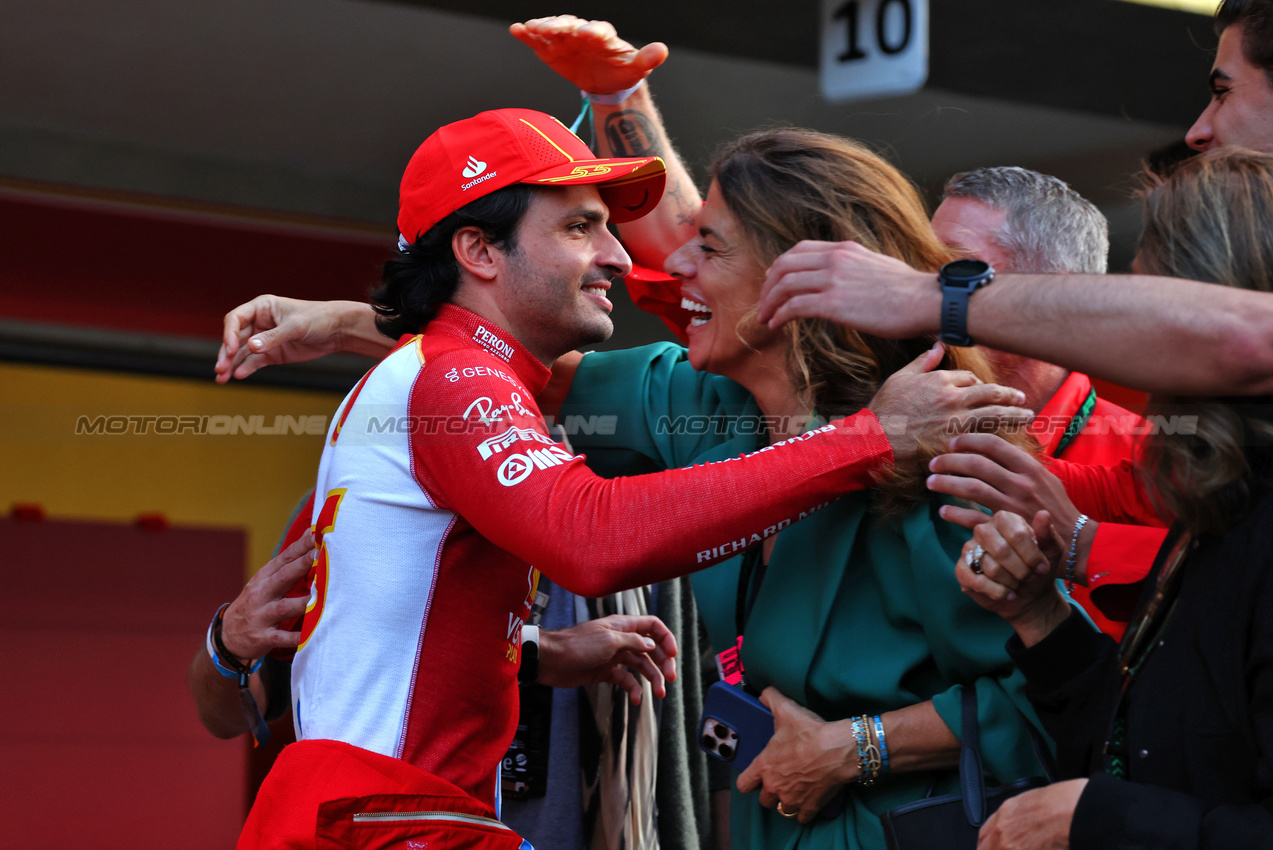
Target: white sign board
[873,48]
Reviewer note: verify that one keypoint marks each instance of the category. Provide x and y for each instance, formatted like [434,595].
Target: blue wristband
[611,99]
[879,736]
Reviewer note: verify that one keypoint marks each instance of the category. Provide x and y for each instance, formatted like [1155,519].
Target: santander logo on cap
[475,167]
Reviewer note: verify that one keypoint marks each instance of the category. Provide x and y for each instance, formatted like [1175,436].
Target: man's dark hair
[423,276]
[1256,19]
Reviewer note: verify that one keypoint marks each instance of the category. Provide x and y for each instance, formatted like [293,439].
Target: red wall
[99,743]
[167,271]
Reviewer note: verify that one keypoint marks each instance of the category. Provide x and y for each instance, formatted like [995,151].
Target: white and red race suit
[440,487]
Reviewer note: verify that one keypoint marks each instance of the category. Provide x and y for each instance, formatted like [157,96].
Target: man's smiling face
[1241,110]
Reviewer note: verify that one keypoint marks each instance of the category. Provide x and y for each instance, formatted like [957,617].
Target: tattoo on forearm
[631,133]
[684,214]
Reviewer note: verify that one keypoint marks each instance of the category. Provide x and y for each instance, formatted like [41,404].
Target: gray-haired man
[1022,221]
[1019,220]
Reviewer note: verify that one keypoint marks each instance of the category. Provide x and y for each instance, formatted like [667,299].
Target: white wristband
[612,99]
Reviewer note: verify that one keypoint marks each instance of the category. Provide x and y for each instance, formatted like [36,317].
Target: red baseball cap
[464,161]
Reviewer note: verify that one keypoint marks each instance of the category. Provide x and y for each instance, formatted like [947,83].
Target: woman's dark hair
[1256,19]
[423,276]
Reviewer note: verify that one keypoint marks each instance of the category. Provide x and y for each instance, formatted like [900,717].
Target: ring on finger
[974,559]
[785,813]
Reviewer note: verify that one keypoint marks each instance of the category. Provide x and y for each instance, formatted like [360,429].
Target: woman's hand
[1036,820]
[988,470]
[806,761]
[1004,569]
[270,329]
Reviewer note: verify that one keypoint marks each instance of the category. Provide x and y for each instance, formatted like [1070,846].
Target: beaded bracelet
[1071,561]
[865,776]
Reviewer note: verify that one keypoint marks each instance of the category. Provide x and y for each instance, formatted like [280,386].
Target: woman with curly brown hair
[850,614]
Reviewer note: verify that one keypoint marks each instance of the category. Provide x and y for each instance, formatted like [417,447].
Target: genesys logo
[478,372]
[475,167]
[517,468]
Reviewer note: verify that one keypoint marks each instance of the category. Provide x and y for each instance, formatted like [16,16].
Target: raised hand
[589,54]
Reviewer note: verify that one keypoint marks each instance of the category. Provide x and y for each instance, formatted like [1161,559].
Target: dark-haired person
[441,494]
[1153,334]
[1240,113]
[1170,733]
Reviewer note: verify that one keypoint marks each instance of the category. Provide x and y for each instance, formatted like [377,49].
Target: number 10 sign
[873,48]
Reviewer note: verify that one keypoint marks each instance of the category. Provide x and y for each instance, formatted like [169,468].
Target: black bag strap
[972,777]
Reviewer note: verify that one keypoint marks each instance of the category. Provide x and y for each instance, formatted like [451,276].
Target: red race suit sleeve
[1129,536]
[491,461]
[1107,493]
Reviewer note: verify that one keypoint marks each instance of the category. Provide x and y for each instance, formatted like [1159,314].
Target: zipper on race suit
[430,816]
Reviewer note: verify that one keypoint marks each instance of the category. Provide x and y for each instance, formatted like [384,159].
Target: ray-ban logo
[475,168]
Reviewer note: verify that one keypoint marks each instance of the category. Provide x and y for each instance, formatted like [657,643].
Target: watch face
[964,270]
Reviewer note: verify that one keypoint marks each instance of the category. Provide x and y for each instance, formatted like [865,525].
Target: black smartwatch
[529,669]
[959,280]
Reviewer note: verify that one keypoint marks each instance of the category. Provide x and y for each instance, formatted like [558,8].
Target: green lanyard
[746,597]
[1077,423]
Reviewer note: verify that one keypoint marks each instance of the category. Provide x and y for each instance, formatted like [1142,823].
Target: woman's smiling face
[720,282]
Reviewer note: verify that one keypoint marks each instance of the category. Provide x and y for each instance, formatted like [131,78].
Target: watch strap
[528,671]
[957,287]
[954,315]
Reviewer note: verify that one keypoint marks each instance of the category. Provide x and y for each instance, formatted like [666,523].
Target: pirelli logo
[495,445]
